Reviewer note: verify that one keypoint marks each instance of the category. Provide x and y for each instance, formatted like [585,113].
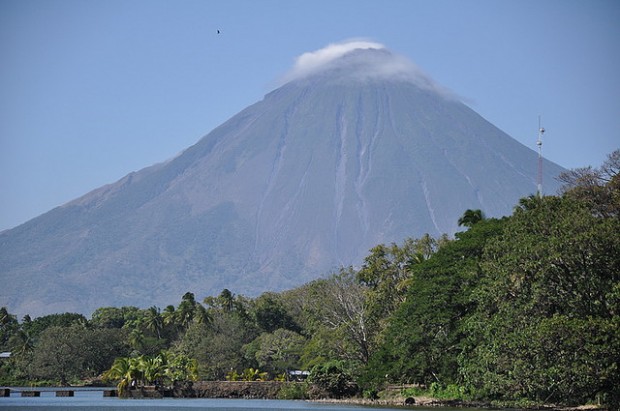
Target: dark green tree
[99,348]
[422,341]
[186,310]
[333,380]
[108,317]
[270,314]
[35,327]
[546,322]
[58,354]
[217,345]
[278,352]
[386,277]
[471,217]
[8,327]
[153,321]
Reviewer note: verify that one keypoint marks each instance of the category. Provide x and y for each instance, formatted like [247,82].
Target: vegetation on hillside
[520,309]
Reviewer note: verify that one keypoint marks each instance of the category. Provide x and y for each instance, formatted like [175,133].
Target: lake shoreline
[423,401]
[271,389]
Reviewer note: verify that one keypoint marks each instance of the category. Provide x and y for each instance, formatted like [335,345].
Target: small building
[6,354]
[298,375]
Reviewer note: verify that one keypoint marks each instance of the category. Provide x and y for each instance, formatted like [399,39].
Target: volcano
[358,147]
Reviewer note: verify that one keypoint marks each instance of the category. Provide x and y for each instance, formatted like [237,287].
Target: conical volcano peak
[357,149]
[359,61]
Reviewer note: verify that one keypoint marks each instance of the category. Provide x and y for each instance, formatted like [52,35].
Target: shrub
[293,391]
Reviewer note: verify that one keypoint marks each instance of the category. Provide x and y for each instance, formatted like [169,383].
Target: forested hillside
[522,310]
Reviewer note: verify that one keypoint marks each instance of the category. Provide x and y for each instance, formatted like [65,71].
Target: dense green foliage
[422,342]
[546,325]
[164,368]
[520,309]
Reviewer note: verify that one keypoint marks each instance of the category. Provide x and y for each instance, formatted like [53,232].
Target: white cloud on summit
[385,65]
[314,60]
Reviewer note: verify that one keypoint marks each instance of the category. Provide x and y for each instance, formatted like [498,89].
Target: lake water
[94,400]
[89,402]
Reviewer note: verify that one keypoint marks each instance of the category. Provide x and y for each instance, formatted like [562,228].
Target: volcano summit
[357,147]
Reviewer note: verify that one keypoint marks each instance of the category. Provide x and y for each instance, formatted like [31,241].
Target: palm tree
[152,368]
[202,315]
[21,342]
[169,315]
[153,321]
[251,374]
[123,370]
[471,217]
[227,300]
[186,310]
[136,368]
[136,339]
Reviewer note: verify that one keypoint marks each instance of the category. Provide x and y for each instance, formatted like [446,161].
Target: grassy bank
[452,396]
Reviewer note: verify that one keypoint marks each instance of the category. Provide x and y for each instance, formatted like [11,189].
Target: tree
[226,300]
[153,321]
[471,217]
[35,327]
[202,315]
[546,322]
[186,310]
[99,348]
[58,354]
[136,340]
[422,340]
[339,305]
[66,353]
[122,370]
[333,379]
[180,367]
[270,314]
[8,327]
[279,351]
[598,187]
[152,368]
[164,368]
[555,256]
[108,317]
[173,322]
[168,317]
[386,275]
[20,343]
[249,374]
[218,345]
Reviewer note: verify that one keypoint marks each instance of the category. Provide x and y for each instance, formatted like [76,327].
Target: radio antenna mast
[541,131]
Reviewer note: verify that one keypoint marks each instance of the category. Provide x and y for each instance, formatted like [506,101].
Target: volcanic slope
[364,150]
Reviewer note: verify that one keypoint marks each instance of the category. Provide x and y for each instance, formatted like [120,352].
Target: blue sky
[92,90]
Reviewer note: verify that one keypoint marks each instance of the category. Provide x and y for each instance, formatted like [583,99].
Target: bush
[331,378]
[371,394]
[293,391]
[449,392]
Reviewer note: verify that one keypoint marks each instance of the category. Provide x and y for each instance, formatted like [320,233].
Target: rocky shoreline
[417,401]
[422,401]
[272,389]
